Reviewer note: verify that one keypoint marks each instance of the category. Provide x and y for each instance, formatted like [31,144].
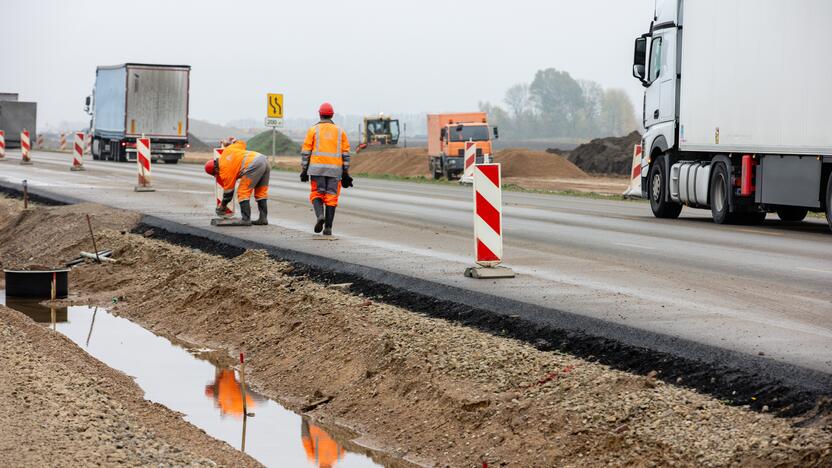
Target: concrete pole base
[77,168]
[480,272]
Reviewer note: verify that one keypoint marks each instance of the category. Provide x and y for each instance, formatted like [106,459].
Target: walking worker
[252,169]
[325,164]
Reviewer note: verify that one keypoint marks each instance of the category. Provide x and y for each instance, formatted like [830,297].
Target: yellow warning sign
[274,106]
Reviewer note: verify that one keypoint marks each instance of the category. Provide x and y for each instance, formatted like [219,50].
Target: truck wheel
[657,189]
[437,175]
[720,193]
[829,201]
[792,214]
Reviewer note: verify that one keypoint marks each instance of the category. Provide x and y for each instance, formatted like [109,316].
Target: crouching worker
[325,164]
[252,169]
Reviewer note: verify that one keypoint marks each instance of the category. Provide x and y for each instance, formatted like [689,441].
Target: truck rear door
[157,102]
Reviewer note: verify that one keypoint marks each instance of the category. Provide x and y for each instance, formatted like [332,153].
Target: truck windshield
[468,132]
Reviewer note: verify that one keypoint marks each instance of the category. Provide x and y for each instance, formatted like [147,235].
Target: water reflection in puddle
[208,396]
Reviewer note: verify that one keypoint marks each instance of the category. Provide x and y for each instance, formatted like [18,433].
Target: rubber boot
[245,212]
[318,204]
[330,216]
[263,208]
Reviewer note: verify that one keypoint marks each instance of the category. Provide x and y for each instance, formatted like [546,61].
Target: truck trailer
[134,100]
[15,116]
[447,135]
[736,108]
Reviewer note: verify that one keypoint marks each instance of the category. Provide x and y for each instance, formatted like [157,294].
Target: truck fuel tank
[689,183]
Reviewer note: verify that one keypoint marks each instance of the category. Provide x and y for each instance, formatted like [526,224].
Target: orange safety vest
[327,148]
[233,160]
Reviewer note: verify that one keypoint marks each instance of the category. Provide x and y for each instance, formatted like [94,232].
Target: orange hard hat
[209,166]
[326,110]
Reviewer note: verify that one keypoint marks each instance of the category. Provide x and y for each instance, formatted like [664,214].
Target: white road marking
[635,246]
[814,270]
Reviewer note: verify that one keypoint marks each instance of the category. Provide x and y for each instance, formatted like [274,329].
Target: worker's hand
[346,180]
[304,177]
[220,210]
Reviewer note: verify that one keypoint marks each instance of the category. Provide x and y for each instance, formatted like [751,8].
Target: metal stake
[95,248]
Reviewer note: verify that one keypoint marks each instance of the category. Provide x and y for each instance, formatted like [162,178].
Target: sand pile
[612,155]
[413,162]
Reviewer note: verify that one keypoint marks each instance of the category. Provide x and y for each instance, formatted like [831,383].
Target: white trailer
[135,99]
[737,104]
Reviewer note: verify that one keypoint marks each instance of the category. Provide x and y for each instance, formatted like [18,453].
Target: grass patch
[262,143]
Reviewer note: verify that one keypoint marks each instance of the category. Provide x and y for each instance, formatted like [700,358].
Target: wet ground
[208,396]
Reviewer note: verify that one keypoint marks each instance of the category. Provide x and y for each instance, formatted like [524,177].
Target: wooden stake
[54,296]
[94,247]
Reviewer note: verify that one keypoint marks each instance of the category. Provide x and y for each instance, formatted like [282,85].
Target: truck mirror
[496,133]
[640,58]
[87,101]
[638,72]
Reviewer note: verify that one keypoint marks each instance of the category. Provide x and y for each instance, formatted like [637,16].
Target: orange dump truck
[447,135]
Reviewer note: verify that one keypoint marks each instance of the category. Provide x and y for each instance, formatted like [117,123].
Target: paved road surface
[763,289]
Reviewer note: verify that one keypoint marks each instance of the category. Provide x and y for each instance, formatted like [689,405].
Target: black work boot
[245,211]
[318,204]
[263,209]
[330,216]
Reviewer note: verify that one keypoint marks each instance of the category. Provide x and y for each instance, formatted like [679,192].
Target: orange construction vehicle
[447,135]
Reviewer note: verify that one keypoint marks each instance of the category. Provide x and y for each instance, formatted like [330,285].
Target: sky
[364,56]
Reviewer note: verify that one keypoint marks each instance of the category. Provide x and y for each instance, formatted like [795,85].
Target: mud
[426,389]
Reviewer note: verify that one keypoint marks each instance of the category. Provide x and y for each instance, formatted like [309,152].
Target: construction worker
[227,394]
[321,449]
[252,169]
[325,163]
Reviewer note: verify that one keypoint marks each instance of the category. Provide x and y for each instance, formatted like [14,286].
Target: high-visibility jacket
[233,161]
[326,150]
[321,449]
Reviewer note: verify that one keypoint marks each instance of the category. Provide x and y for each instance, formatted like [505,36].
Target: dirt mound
[612,155]
[413,162]
[401,162]
[197,145]
[521,162]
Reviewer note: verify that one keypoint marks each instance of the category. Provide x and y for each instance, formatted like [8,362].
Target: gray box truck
[15,116]
[136,99]
[736,108]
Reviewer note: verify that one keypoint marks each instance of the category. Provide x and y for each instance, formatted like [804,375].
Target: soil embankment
[608,156]
[424,388]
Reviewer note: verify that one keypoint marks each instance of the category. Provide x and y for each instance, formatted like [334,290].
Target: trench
[208,395]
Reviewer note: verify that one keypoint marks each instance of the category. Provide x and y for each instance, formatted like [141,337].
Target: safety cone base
[481,272]
[77,168]
[143,188]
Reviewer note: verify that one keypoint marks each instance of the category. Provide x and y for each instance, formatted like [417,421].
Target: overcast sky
[365,56]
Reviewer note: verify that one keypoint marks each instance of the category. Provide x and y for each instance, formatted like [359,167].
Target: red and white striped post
[25,147]
[78,152]
[143,165]
[634,190]
[63,142]
[469,160]
[2,144]
[40,142]
[218,190]
[88,143]
[488,223]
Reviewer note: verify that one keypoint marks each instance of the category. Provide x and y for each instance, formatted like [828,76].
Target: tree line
[555,105]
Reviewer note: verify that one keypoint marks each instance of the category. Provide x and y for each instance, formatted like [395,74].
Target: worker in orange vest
[227,394]
[252,169]
[326,164]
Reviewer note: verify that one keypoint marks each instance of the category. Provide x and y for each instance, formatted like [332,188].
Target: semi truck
[447,135]
[737,108]
[134,100]
[15,116]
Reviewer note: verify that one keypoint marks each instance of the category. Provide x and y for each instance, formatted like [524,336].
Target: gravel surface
[425,389]
[61,407]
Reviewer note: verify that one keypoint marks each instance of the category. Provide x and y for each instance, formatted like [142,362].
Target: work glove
[220,210]
[304,177]
[346,180]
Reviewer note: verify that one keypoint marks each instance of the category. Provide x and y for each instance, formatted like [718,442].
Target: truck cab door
[653,93]
[660,98]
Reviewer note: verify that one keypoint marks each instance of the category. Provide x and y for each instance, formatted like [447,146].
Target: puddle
[208,396]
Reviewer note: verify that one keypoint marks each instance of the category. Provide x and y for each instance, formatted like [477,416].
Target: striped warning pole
[488,223]
[40,142]
[143,165]
[218,190]
[25,147]
[2,144]
[634,190]
[78,152]
[63,142]
[469,160]
[88,143]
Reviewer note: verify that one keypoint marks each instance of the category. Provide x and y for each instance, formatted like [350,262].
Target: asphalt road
[759,291]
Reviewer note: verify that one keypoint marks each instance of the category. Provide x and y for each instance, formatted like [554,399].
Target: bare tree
[518,100]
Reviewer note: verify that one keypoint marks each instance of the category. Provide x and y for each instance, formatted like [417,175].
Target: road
[758,291]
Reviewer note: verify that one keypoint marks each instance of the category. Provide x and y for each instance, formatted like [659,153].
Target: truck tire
[657,190]
[829,202]
[792,214]
[720,196]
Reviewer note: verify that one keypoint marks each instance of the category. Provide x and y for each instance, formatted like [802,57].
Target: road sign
[271,122]
[274,106]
